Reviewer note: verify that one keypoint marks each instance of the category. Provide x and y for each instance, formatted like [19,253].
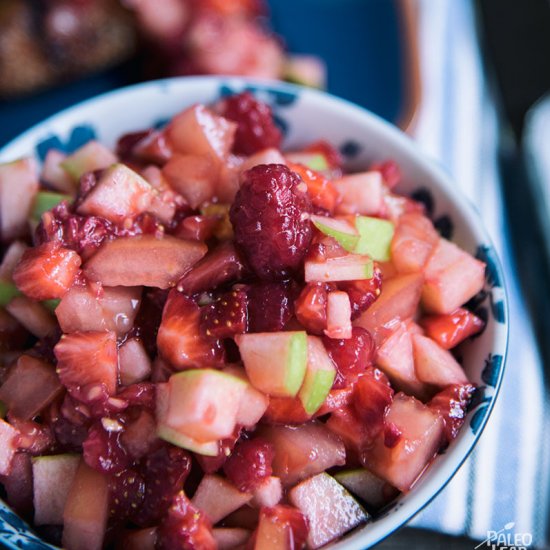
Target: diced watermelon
[269,493]
[228,538]
[54,174]
[95,308]
[304,450]
[398,301]
[52,479]
[198,131]
[275,362]
[329,508]
[360,193]
[120,193]
[435,365]
[338,315]
[372,490]
[217,497]
[421,435]
[192,176]
[133,362]
[395,357]
[413,242]
[86,510]
[452,277]
[8,447]
[30,386]
[18,186]
[351,267]
[32,315]
[143,261]
[88,358]
[88,158]
[203,404]
[451,329]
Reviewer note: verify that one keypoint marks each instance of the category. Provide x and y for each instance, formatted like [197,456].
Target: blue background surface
[358,39]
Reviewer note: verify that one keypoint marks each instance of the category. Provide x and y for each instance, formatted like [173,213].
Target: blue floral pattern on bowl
[306,115]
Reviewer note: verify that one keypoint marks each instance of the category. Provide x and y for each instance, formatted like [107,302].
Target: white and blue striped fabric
[506,479]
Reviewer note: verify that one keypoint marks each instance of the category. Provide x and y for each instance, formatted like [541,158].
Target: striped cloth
[506,480]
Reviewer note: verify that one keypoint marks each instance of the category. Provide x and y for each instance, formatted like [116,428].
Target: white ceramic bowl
[308,115]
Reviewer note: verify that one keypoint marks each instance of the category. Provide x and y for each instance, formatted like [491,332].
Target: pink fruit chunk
[203,404]
[142,539]
[395,357]
[413,242]
[228,538]
[421,435]
[52,479]
[304,450]
[19,485]
[143,261]
[85,358]
[134,364]
[331,511]
[192,176]
[8,446]
[85,308]
[90,157]
[338,315]
[29,387]
[398,301]
[120,193]
[54,174]
[86,510]
[452,277]
[435,365]
[18,187]
[360,193]
[281,527]
[32,315]
[11,258]
[198,131]
[351,267]
[269,493]
[217,497]
[265,156]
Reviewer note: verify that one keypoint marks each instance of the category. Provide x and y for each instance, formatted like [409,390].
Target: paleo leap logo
[503,539]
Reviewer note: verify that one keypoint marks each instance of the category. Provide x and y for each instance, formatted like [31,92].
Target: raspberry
[270,220]
[270,306]
[351,356]
[249,464]
[256,129]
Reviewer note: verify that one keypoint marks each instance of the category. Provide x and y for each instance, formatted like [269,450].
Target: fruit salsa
[210,343]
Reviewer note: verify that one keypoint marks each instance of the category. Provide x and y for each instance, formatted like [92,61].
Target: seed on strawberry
[47,271]
[270,220]
[270,305]
[179,337]
[185,527]
[85,358]
[351,356]
[362,294]
[227,316]
[256,129]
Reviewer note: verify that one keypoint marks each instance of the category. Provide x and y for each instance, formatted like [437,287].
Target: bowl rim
[403,142]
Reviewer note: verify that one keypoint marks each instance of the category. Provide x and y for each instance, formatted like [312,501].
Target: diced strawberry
[336,399]
[333,157]
[373,394]
[451,405]
[185,527]
[311,307]
[179,338]
[103,450]
[221,265]
[283,527]
[391,174]
[270,305]
[196,228]
[285,410]
[249,464]
[88,358]
[211,464]
[165,471]
[33,438]
[351,356]
[451,329]
[227,316]
[47,271]
[320,190]
[127,491]
[139,435]
[363,293]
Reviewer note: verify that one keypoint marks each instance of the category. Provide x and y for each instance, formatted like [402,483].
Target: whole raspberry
[270,220]
[256,129]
